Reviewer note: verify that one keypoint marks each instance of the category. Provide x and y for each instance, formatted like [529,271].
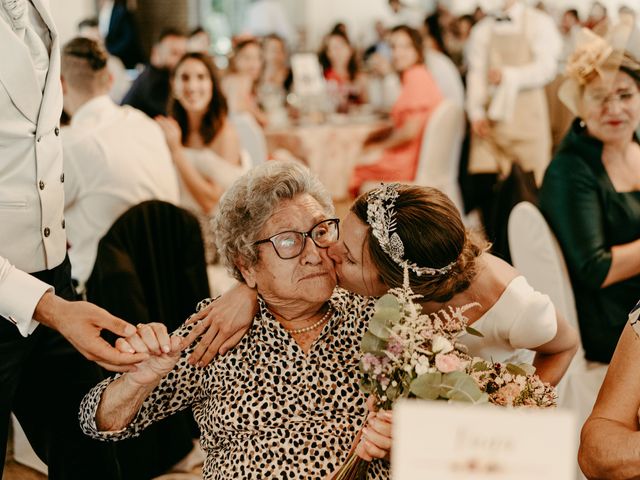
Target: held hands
[163,352]
[171,130]
[375,440]
[81,323]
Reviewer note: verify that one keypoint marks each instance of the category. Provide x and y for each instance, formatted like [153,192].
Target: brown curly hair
[433,235]
[217,110]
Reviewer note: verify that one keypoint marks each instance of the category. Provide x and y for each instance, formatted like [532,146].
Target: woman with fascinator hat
[398,226]
[591,191]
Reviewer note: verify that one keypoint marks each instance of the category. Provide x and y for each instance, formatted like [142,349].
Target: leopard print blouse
[266,409]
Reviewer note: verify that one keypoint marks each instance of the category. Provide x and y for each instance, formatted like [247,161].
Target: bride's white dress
[522,319]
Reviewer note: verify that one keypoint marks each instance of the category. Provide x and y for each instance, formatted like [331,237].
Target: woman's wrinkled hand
[163,350]
[375,441]
[222,324]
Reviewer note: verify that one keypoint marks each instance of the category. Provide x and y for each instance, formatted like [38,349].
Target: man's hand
[164,353]
[225,321]
[481,127]
[81,324]
[494,76]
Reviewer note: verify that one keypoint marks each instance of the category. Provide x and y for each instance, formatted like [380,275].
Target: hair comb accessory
[381,217]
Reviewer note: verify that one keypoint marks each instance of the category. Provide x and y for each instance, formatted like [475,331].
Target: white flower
[421,369]
[439,344]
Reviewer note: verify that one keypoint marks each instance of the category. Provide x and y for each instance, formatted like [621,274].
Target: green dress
[588,217]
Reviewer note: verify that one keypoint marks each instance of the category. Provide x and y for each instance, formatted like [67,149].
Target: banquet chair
[439,159]
[252,137]
[22,451]
[150,267]
[536,254]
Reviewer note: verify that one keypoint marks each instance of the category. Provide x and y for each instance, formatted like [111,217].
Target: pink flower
[394,347]
[449,363]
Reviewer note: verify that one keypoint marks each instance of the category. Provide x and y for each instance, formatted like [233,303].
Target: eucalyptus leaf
[515,370]
[372,344]
[528,368]
[392,392]
[480,367]
[427,386]
[473,331]
[460,387]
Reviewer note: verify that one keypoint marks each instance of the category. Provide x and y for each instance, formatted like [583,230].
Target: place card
[441,441]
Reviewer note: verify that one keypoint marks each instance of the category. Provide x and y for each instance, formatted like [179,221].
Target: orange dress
[418,98]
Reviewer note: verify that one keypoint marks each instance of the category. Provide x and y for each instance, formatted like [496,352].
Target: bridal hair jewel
[381,217]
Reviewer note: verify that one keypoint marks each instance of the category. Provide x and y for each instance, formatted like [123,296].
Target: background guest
[118,27]
[199,41]
[591,192]
[276,73]
[150,91]
[121,81]
[394,152]
[340,66]
[240,84]
[115,157]
[204,145]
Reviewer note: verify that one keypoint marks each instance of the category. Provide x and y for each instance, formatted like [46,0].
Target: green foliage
[373,344]
[455,386]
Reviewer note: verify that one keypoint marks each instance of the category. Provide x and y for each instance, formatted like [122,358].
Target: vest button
[62,178]
[63,224]
[57,131]
[41,184]
[47,232]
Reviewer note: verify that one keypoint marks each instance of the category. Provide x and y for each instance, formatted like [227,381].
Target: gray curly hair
[247,206]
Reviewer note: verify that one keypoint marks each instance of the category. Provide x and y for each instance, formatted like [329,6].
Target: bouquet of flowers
[410,354]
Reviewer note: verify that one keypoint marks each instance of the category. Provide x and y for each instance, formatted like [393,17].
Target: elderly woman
[610,439]
[285,403]
[591,191]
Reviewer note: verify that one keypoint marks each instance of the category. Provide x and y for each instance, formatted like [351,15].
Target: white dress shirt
[32,236]
[115,157]
[545,43]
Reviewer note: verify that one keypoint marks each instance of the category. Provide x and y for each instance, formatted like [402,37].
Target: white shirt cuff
[19,295]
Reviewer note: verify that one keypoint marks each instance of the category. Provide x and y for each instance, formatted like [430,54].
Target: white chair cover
[22,451]
[537,255]
[251,136]
[440,151]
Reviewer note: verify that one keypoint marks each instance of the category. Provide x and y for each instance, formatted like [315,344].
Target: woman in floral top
[285,402]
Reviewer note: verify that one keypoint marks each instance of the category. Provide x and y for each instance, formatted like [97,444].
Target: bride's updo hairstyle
[433,235]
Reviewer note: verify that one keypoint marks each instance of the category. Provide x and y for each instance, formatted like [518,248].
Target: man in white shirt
[513,54]
[42,378]
[115,157]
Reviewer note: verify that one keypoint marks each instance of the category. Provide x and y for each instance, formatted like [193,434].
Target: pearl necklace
[324,318]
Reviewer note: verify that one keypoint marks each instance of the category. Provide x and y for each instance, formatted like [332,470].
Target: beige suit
[32,235]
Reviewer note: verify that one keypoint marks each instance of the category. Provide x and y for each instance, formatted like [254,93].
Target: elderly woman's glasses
[290,244]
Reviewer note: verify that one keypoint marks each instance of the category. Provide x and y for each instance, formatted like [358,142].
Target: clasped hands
[161,349]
